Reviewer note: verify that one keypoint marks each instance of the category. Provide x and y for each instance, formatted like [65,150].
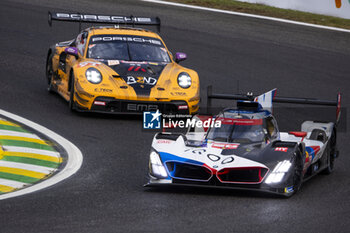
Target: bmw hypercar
[119,69]
[242,148]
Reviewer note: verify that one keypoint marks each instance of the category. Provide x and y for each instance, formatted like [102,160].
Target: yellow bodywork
[165,90]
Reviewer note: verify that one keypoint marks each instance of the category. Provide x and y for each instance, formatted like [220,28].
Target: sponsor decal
[142,80]
[151,120]
[111,18]
[289,189]
[91,45]
[126,38]
[178,93]
[225,145]
[71,50]
[103,90]
[142,107]
[133,62]
[89,63]
[282,149]
[182,107]
[163,141]
[113,62]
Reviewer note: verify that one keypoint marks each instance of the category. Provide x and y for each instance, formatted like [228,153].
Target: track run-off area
[31,156]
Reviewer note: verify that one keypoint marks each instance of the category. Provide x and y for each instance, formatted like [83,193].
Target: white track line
[30,150]
[12,183]
[18,134]
[247,15]
[74,160]
[29,167]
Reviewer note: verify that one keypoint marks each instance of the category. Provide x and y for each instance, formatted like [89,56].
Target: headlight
[278,172]
[156,166]
[184,80]
[93,75]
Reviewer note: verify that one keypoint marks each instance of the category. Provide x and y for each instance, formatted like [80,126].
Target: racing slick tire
[330,162]
[297,178]
[71,96]
[49,73]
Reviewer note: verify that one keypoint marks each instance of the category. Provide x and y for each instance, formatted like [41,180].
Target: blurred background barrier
[337,8]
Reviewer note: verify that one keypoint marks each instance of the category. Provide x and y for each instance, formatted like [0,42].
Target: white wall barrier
[337,8]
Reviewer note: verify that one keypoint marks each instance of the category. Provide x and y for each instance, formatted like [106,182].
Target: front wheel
[297,178]
[71,96]
[49,74]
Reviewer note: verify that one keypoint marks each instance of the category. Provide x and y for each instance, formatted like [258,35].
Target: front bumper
[119,106]
[215,184]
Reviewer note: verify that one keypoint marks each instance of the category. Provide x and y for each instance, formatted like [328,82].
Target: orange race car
[115,69]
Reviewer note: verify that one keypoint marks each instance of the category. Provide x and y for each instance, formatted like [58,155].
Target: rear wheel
[330,162]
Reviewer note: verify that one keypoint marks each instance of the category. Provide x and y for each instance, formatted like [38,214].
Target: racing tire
[330,162]
[297,178]
[49,74]
[71,96]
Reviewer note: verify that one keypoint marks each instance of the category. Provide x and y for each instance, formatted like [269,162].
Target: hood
[216,155]
[141,76]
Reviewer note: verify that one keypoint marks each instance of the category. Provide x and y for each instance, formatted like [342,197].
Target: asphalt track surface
[107,194]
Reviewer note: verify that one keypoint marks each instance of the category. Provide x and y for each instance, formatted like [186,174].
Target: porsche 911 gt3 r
[118,69]
[247,151]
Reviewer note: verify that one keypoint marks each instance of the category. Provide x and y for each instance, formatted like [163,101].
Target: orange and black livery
[120,68]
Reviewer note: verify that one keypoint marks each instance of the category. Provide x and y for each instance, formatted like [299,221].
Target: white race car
[247,151]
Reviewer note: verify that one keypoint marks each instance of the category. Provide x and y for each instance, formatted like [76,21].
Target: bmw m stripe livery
[245,151]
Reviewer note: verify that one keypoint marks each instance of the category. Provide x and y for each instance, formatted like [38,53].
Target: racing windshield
[127,48]
[238,130]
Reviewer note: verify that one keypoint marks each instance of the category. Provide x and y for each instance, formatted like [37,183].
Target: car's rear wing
[104,19]
[277,99]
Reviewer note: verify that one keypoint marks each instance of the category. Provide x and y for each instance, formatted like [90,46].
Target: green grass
[260,9]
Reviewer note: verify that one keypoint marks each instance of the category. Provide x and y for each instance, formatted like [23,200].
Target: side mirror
[72,51]
[180,57]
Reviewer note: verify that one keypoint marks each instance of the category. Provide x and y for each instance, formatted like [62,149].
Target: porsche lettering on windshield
[130,39]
